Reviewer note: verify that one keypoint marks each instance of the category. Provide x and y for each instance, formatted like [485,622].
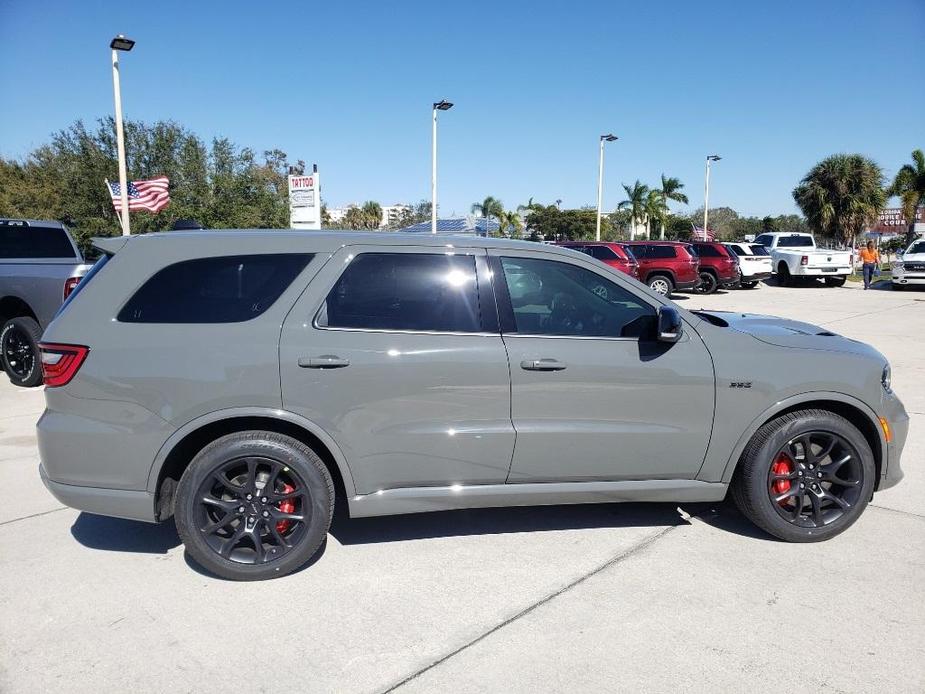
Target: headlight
[897,265]
[886,377]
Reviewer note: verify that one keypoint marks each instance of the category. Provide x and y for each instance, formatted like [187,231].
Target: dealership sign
[305,201]
[892,220]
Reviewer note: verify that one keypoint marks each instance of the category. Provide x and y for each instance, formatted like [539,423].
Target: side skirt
[422,499]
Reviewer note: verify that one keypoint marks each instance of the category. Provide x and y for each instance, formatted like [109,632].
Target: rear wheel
[783,275]
[708,283]
[661,285]
[805,476]
[19,351]
[254,505]
[835,281]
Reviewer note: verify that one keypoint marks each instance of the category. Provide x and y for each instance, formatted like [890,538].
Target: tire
[753,483]
[19,351]
[835,281]
[897,287]
[708,283]
[661,284]
[296,473]
[748,285]
[783,275]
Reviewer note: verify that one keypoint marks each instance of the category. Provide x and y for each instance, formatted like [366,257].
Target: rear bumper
[821,272]
[756,276]
[119,503]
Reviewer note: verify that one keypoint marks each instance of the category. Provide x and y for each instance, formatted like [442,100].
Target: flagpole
[120,142]
[118,216]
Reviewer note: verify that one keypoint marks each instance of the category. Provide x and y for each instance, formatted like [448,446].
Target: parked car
[795,255]
[242,382]
[39,267]
[666,266]
[719,267]
[754,263]
[609,253]
[909,269]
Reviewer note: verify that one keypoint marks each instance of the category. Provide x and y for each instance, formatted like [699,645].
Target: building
[391,214]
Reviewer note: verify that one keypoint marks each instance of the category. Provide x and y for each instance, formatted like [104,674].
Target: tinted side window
[34,242]
[638,252]
[661,251]
[405,291]
[554,298]
[602,252]
[705,251]
[227,289]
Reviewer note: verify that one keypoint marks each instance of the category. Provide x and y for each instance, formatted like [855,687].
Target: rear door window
[661,251]
[17,240]
[420,292]
[226,289]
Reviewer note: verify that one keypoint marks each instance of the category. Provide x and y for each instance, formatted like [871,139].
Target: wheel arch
[852,409]
[12,306]
[180,449]
[664,273]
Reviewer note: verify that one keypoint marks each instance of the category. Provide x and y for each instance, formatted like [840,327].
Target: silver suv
[241,382]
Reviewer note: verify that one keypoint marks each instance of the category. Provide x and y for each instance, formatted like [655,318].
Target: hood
[784,332]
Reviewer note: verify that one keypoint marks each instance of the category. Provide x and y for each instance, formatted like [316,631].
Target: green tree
[371,215]
[909,186]
[510,223]
[637,198]
[488,208]
[841,195]
[670,190]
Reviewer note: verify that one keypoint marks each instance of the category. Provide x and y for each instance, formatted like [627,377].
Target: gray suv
[241,382]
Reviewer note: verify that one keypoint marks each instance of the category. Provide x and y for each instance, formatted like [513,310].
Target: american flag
[700,235]
[142,195]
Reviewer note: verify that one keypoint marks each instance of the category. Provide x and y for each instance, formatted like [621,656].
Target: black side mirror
[670,326]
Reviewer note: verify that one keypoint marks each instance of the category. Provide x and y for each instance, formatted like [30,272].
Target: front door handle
[325,361]
[542,365]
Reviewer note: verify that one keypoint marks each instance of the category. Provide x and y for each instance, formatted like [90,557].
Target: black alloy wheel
[815,479]
[708,283]
[19,351]
[254,505]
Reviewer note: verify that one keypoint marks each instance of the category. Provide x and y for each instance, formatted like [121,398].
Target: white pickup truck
[795,255]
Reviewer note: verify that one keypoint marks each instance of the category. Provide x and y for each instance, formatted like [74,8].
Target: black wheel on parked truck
[783,275]
[805,476]
[254,505]
[19,351]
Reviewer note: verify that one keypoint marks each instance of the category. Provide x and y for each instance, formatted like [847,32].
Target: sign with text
[305,202]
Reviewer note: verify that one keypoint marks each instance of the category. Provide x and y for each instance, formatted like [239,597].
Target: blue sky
[772,87]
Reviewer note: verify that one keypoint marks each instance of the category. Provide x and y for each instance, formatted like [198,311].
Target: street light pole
[442,105]
[120,43]
[600,181]
[706,191]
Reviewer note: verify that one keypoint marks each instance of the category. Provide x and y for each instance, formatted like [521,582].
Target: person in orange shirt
[870,257]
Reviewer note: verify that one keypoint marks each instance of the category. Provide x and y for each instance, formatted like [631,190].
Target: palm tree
[637,197]
[655,207]
[488,208]
[510,223]
[841,195]
[909,185]
[670,190]
[372,214]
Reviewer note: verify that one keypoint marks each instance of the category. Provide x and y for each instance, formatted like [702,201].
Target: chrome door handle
[325,361]
[542,365]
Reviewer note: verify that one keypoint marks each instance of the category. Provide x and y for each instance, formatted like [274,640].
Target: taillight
[804,260]
[61,362]
[69,285]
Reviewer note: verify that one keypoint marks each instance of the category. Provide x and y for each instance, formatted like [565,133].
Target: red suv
[666,265]
[612,254]
[718,266]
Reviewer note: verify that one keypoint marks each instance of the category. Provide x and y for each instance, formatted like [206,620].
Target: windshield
[795,241]
[917,247]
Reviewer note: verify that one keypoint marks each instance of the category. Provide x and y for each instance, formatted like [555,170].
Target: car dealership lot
[549,599]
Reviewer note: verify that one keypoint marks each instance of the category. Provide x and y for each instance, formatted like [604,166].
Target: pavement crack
[613,561]
[868,313]
[33,515]
[896,510]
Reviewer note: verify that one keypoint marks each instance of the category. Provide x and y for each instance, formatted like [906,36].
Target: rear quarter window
[661,252]
[226,289]
[21,241]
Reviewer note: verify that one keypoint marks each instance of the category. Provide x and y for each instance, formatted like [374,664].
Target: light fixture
[120,43]
[714,157]
[609,137]
[443,105]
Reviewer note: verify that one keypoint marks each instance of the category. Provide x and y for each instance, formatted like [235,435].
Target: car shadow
[120,535]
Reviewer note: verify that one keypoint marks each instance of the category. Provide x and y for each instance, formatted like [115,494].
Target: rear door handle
[542,365]
[325,361]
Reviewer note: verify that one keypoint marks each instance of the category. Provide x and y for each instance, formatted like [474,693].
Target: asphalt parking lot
[584,598]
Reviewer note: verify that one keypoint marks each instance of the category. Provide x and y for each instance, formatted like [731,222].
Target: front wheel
[660,285]
[19,351]
[254,505]
[805,476]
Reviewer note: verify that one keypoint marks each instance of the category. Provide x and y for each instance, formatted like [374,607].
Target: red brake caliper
[782,466]
[287,506]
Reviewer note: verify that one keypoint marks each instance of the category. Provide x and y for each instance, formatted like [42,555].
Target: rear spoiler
[109,244]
